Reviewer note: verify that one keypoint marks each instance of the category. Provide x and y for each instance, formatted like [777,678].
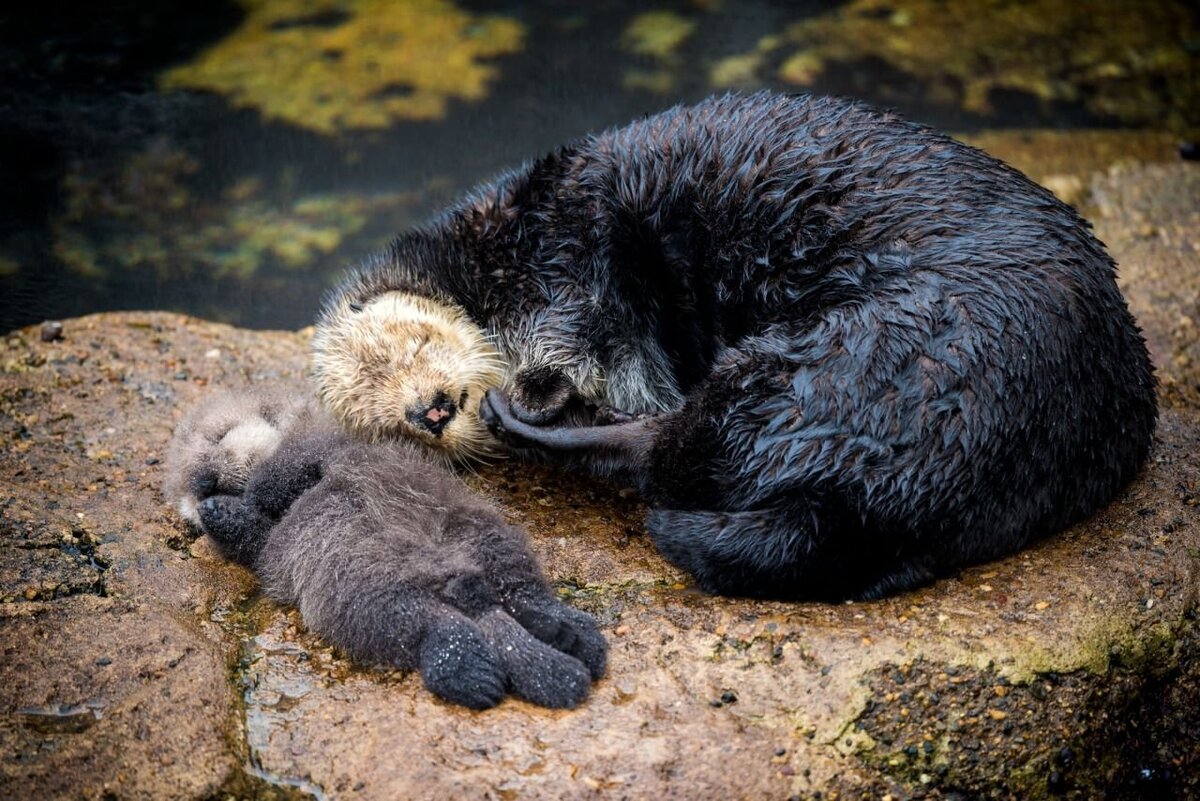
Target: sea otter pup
[840,353]
[385,553]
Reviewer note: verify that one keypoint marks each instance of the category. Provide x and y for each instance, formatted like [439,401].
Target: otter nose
[436,416]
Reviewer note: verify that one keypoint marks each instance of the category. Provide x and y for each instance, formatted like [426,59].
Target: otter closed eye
[416,348]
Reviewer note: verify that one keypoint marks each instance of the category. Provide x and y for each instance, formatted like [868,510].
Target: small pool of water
[229,159]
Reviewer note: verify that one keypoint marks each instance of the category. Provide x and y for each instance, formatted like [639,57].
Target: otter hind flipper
[567,629]
[794,549]
[511,583]
[476,662]
[511,579]
[458,664]
[537,672]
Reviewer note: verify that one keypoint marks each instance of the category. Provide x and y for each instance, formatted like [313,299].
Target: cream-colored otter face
[405,365]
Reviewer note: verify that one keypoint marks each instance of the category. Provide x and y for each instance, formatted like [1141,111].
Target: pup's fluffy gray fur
[386,554]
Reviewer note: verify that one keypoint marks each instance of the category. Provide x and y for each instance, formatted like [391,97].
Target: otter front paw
[541,395]
[235,526]
[221,516]
[608,415]
[496,412]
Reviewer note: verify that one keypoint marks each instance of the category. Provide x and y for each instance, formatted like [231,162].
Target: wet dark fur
[390,557]
[879,354]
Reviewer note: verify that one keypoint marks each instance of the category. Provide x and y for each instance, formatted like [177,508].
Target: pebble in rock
[52,330]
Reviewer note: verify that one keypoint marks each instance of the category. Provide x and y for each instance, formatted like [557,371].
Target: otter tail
[790,550]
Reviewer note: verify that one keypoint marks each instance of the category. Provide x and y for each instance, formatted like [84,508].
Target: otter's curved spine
[846,352]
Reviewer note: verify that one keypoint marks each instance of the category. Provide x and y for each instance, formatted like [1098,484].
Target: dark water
[138,171]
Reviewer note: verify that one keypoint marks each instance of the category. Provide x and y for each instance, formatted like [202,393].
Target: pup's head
[400,364]
[219,442]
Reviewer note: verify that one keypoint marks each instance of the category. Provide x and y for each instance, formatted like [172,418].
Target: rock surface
[136,664]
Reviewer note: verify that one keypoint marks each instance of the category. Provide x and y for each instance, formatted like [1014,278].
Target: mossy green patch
[656,36]
[141,215]
[331,66]
[1129,61]
[657,33]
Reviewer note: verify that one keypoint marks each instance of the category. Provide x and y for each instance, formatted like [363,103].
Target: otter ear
[356,307]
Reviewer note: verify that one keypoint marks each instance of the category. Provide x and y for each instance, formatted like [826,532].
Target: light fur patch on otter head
[404,365]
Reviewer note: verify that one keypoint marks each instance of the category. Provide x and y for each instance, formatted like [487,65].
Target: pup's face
[404,365]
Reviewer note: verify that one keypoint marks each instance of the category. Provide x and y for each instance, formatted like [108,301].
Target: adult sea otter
[839,352]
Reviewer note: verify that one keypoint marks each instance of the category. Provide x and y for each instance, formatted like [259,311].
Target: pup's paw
[535,671]
[220,514]
[569,630]
[203,481]
[459,665]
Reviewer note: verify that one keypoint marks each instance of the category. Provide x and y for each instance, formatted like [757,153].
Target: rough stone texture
[138,665]
[1151,216]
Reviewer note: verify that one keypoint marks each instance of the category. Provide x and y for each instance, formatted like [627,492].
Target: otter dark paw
[221,515]
[536,672]
[541,395]
[238,528]
[458,665]
[568,630]
[607,416]
[496,412]
[203,482]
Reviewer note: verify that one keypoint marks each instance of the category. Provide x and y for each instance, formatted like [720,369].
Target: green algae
[1128,61]
[141,216]
[656,36]
[358,64]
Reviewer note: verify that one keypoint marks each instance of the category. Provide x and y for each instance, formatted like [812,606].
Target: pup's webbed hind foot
[548,653]
[476,663]
[536,672]
[566,629]
[458,664]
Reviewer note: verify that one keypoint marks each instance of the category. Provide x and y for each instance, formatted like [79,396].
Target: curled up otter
[840,353]
[386,554]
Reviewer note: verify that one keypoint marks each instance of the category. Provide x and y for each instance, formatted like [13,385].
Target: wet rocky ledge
[136,664]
